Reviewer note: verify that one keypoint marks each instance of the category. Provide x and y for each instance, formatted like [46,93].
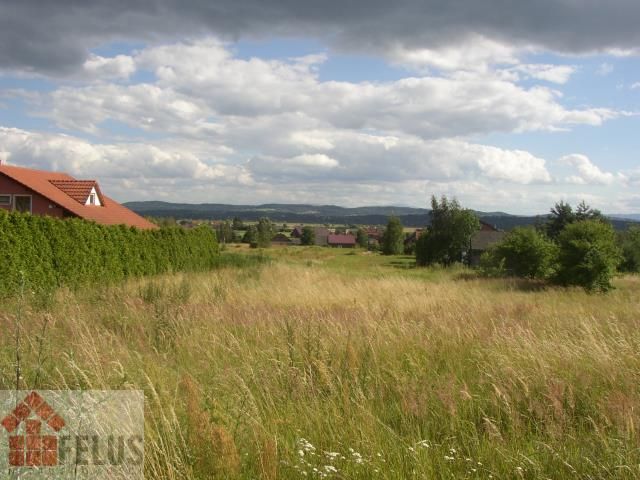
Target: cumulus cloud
[201,88]
[551,73]
[587,173]
[118,67]
[474,53]
[133,161]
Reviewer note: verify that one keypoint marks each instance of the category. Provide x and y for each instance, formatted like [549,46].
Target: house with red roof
[60,195]
[341,241]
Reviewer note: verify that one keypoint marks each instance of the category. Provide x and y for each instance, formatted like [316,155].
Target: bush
[524,252]
[630,243]
[42,253]
[588,255]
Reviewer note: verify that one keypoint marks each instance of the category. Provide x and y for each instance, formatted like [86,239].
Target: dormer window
[93,199]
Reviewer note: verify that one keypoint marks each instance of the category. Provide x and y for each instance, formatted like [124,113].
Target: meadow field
[319,363]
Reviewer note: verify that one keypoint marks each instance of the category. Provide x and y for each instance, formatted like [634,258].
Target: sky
[507,106]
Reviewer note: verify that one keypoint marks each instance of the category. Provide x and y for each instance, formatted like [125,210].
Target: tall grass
[290,370]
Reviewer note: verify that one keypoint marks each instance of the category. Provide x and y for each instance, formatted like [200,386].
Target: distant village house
[341,241]
[482,240]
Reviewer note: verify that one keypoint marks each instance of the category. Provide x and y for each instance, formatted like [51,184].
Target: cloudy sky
[505,105]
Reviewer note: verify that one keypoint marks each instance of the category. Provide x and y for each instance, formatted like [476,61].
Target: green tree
[224,232]
[237,224]
[393,237]
[308,236]
[560,216]
[630,245]
[264,233]
[251,235]
[362,238]
[585,212]
[588,255]
[524,252]
[448,237]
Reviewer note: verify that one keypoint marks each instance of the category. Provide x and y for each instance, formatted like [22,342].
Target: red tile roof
[335,239]
[68,194]
[79,190]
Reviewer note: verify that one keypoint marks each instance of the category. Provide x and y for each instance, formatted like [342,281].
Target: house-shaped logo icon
[28,446]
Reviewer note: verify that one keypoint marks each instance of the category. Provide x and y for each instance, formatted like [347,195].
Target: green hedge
[42,253]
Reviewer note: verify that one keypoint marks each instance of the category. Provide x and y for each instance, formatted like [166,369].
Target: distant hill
[331,214]
[626,216]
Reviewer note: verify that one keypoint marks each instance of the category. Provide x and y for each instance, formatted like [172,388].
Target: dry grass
[299,368]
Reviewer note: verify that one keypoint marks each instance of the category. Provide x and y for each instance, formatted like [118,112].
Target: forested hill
[331,214]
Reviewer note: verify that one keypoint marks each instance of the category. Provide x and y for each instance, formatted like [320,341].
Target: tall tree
[393,238]
[448,237]
[561,215]
[585,212]
[237,224]
[264,232]
[308,236]
[362,238]
[225,232]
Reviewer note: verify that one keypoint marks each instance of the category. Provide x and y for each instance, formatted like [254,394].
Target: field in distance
[313,362]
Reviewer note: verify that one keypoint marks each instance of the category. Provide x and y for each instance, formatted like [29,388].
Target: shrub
[524,252]
[43,253]
[630,243]
[588,255]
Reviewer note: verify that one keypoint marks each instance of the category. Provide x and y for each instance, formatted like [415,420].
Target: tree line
[41,253]
[572,247]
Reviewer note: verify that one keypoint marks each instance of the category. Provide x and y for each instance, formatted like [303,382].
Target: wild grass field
[324,363]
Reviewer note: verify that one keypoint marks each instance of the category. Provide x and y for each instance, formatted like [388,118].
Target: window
[5,200]
[92,199]
[22,203]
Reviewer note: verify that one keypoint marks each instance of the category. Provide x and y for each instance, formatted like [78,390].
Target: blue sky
[324,108]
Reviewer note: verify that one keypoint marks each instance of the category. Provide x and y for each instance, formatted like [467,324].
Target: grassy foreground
[323,364]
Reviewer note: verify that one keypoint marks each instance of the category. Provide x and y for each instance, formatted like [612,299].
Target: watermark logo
[72,434]
[30,447]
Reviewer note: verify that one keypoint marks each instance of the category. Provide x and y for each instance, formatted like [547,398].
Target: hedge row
[42,253]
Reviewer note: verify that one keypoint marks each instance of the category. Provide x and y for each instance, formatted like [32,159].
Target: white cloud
[202,89]
[551,73]
[476,53]
[317,160]
[133,161]
[209,124]
[587,172]
[635,86]
[118,67]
